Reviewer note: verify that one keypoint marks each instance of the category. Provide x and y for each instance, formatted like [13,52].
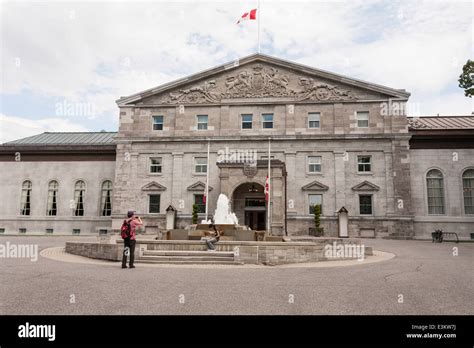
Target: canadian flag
[252,15]
[267,188]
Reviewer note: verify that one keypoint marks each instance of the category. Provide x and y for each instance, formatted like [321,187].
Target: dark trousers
[129,245]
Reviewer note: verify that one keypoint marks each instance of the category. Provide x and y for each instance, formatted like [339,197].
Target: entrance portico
[244,184]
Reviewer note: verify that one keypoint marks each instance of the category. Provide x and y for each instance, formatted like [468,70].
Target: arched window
[52,209]
[106,198]
[25,207]
[435,186]
[79,193]
[468,191]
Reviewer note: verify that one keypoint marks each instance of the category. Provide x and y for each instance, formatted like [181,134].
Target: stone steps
[188,262]
[188,253]
[188,257]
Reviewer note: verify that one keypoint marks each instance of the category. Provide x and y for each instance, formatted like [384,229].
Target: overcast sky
[65,63]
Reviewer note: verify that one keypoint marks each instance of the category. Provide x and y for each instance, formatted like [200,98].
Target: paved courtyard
[425,277]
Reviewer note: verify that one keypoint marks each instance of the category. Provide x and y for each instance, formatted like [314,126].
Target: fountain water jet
[222,214]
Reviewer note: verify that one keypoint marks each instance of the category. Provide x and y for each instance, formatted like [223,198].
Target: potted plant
[319,231]
[195,214]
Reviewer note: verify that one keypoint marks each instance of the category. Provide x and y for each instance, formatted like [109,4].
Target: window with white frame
[314,164]
[52,205]
[158,122]
[468,191]
[314,200]
[202,122]
[267,121]
[155,165]
[435,188]
[362,119]
[79,197]
[314,119]
[247,121]
[26,188]
[106,198]
[200,165]
[364,164]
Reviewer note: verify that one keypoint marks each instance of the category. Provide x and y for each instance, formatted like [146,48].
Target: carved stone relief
[257,81]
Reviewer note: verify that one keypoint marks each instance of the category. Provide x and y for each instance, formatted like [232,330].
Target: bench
[438,236]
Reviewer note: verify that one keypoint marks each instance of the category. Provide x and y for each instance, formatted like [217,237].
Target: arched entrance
[248,204]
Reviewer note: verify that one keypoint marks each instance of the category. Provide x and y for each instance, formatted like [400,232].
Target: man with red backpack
[128,232]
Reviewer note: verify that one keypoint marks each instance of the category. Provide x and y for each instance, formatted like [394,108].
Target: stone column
[176,182]
[278,205]
[290,160]
[340,180]
[389,183]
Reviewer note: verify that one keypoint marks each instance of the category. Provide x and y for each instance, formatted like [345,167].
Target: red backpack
[125,229]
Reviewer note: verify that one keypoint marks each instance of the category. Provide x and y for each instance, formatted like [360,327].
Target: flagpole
[258,25]
[207,177]
[269,191]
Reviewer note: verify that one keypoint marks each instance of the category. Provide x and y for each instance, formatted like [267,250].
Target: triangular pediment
[153,186]
[198,186]
[260,77]
[365,186]
[315,186]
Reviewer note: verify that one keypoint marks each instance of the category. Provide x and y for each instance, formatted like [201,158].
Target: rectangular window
[76,231]
[158,123]
[2,230]
[314,164]
[313,119]
[314,200]
[362,119]
[199,201]
[202,122]
[154,204]
[247,121]
[155,165]
[22,230]
[365,204]
[102,232]
[49,230]
[267,121]
[200,164]
[364,163]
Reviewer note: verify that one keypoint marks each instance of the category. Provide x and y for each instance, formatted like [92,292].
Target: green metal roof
[67,138]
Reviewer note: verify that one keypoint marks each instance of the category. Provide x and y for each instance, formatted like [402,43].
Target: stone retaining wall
[94,250]
[249,252]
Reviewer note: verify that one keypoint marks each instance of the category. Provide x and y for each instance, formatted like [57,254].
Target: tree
[195,214]
[466,79]
[317,220]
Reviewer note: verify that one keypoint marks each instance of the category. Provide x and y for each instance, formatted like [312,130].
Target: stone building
[335,141]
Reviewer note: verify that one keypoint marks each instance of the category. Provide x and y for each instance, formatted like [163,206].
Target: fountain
[227,223]
[222,214]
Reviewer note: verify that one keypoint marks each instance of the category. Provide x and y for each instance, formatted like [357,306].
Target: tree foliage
[466,79]
[317,220]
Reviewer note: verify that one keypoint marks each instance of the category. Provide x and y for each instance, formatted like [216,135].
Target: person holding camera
[129,236]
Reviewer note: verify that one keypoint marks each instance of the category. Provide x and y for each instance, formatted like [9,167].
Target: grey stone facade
[262,85]
[256,85]
[40,174]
